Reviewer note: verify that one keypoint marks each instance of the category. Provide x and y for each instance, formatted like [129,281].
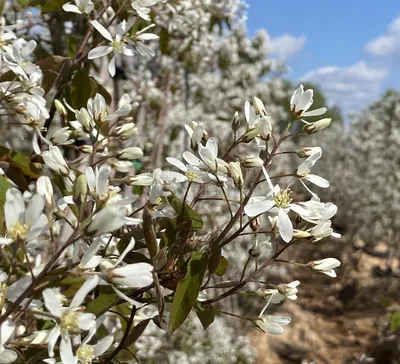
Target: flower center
[85,354]
[18,231]
[69,322]
[283,198]
[117,45]
[191,176]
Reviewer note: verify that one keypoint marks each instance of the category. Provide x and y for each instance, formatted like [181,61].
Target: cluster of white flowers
[89,242]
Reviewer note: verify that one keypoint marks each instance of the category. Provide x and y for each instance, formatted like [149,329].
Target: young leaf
[206,317]
[222,266]
[188,290]
[99,303]
[19,160]
[188,213]
[53,68]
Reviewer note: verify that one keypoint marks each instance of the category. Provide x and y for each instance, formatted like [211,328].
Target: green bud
[236,122]
[80,190]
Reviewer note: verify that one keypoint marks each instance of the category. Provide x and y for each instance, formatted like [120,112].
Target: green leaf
[19,160]
[188,213]
[99,303]
[188,290]
[54,67]
[4,186]
[17,176]
[164,41]
[395,321]
[82,88]
[206,317]
[103,92]
[136,332]
[222,266]
[214,259]
[48,6]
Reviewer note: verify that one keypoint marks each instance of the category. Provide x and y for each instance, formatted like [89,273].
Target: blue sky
[350,48]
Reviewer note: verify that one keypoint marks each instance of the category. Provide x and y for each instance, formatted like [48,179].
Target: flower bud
[236,173]
[259,107]
[264,128]
[317,126]
[250,161]
[255,250]
[301,234]
[325,266]
[132,275]
[161,259]
[308,151]
[149,233]
[60,108]
[87,149]
[236,122]
[125,131]
[272,324]
[80,190]
[45,188]
[250,135]
[84,119]
[255,224]
[130,153]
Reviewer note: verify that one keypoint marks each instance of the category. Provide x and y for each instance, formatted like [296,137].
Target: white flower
[192,173]
[317,211]
[6,330]
[87,353]
[322,230]
[272,324]
[258,121]
[16,58]
[55,160]
[70,321]
[325,266]
[61,136]
[23,223]
[209,158]
[276,198]
[195,132]
[110,218]
[301,101]
[118,44]
[81,7]
[141,7]
[156,181]
[303,170]
[278,294]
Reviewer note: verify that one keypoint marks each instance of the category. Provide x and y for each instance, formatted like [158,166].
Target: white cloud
[286,45]
[387,44]
[352,87]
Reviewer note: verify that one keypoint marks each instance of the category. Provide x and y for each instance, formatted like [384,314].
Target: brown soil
[336,321]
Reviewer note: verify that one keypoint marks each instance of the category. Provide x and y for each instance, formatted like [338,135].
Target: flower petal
[103,31]
[99,52]
[285,226]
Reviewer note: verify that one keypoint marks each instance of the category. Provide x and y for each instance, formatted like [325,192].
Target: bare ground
[336,321]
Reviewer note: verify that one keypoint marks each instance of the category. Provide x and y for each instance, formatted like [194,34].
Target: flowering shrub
[89,243]
[366,160]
